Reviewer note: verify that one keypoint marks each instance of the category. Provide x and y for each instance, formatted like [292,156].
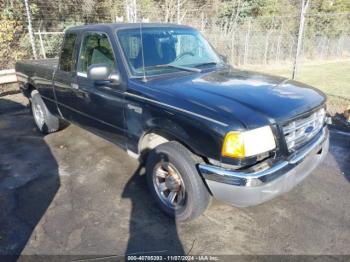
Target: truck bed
[36,72]
[50,63]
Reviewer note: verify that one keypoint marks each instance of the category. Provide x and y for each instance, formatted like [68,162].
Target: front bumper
[244,189]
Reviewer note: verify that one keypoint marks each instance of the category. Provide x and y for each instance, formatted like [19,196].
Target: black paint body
[194,108]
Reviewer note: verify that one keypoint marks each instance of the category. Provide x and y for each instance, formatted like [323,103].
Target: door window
[96,49]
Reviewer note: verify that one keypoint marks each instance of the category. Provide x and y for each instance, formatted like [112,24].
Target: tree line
[325,17]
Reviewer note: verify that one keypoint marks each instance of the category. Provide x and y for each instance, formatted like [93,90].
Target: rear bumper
[247,189]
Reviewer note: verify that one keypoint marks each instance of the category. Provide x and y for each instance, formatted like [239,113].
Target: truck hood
[253,99]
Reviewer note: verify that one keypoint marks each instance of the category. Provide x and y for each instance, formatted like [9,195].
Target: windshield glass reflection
[166,50]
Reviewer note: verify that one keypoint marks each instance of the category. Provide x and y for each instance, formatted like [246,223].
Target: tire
[172,160]
[44,120]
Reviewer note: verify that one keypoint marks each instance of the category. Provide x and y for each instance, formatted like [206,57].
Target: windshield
[166,50]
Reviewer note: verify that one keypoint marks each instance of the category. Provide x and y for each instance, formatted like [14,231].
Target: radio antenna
[144,79]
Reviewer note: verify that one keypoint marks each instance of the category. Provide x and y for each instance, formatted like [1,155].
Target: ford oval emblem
[309,129]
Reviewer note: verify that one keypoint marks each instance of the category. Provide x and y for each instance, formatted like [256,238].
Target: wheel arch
[157,136]
[28,89]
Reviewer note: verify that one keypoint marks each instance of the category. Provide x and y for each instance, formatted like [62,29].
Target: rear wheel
[44,120]
[175,183]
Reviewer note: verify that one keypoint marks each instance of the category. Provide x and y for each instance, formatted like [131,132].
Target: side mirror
[99,72]
[102,73]
[114,78]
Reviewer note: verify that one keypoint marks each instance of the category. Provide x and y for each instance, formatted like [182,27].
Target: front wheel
[174,182]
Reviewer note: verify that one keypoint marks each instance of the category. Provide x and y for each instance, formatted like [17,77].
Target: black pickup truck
[203,128]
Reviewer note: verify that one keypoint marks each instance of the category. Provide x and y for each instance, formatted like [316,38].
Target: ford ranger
[203,128]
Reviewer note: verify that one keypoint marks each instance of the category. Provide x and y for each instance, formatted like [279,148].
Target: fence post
[340,47]
[304,6]
[278,47]
[42,45]
[178,11]
[202,22]
[291,49]
[267,39]
[246,42]
[30,29]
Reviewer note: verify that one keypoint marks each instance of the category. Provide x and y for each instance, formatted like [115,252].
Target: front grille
[298,132]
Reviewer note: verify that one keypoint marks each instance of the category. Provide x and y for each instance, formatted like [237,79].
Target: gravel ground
[71,192]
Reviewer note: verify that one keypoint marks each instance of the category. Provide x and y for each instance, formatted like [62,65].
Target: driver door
[101,106]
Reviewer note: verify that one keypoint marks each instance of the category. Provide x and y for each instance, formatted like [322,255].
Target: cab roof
[113,26]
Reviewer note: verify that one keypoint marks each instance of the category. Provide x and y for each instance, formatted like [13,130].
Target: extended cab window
[96,49]
[66,60]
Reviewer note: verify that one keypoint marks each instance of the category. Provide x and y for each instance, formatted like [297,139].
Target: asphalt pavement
[72,192]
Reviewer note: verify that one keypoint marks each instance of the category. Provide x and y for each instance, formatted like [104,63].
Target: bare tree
[174,9]
[131,11]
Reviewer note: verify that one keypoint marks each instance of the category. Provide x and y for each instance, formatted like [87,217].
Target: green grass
[332,77]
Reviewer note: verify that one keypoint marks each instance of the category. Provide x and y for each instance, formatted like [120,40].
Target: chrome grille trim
[298,132]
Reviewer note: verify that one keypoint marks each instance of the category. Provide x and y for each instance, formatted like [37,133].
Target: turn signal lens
[233,145]
[248,143]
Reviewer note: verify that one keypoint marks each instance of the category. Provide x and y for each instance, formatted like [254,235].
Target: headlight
[248,143]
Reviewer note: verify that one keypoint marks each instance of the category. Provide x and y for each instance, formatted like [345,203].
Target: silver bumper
[247,189]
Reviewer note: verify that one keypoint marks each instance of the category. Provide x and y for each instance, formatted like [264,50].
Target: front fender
[201,137]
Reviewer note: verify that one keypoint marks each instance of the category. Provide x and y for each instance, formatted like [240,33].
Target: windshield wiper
[207,63]
[184,68]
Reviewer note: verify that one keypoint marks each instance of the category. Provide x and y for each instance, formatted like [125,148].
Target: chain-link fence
[246,44]
[261,40]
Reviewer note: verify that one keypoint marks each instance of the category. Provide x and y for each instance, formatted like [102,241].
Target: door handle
[74,86]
